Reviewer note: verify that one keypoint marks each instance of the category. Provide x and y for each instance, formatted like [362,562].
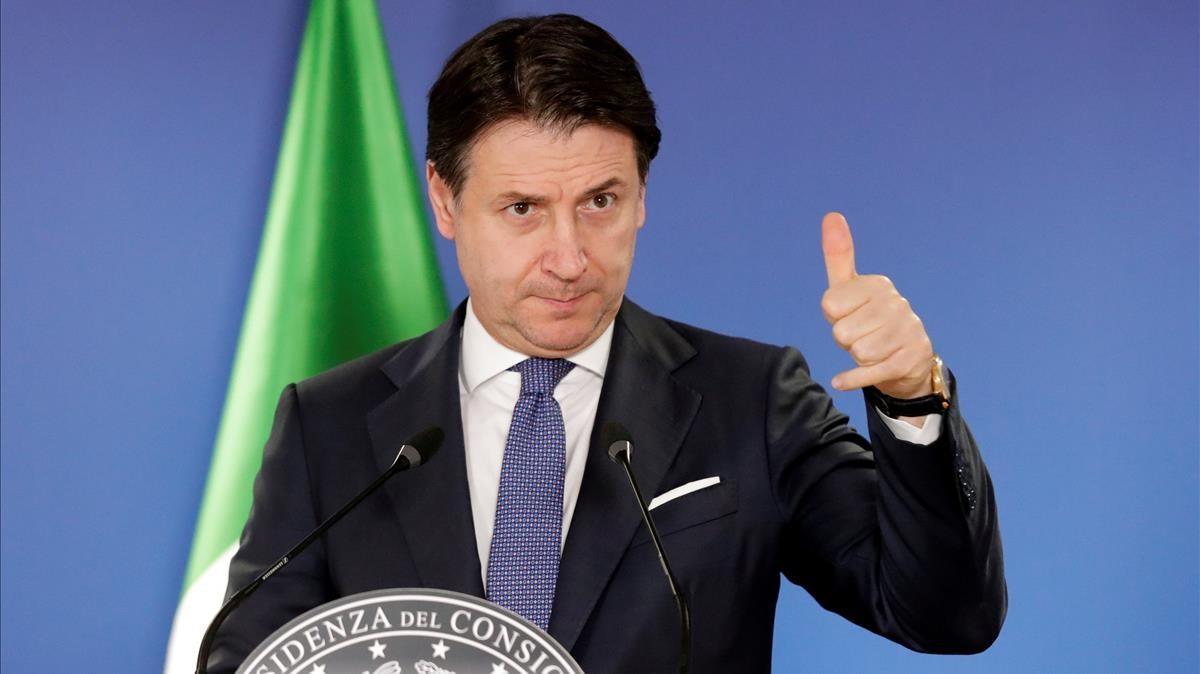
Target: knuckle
[881,288]
[860,351]
[841,334]
[829,304]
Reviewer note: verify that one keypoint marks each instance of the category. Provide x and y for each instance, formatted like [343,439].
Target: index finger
[838,247]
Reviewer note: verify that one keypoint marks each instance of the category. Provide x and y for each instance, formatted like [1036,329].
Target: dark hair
[557,71]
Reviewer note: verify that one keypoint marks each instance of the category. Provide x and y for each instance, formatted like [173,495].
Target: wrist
[900,392]
[936,399]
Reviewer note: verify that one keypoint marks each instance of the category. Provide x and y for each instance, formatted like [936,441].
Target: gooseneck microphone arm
[620,445]
[413,453]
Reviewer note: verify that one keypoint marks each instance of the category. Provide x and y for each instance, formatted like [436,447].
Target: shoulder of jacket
[716,343]
[354,374]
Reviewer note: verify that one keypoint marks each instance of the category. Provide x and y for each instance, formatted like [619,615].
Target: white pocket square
[683,490]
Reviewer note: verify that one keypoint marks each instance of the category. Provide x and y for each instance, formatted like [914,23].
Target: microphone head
[616,439]
[422,446]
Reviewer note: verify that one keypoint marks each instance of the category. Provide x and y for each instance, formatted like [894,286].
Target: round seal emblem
[398,631]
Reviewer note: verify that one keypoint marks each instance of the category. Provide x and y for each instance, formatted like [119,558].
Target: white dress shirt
[488,394]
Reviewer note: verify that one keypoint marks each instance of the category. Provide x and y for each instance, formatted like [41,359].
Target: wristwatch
[935,403]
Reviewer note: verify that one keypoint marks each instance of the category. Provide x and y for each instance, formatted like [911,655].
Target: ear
[641,214]
[442,201]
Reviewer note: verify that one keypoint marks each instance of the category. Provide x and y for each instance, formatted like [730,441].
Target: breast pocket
[692,510]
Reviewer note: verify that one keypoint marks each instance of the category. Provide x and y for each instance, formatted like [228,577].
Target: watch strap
[935,403]
[912,407]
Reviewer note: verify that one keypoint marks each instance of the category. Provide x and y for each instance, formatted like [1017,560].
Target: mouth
[562,304]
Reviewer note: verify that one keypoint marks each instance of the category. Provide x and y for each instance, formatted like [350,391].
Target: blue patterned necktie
[523,562]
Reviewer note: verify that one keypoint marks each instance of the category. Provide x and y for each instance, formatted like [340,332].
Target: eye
[601,201]
[521,208]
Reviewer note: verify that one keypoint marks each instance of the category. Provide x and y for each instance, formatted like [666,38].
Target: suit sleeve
[281,515]
[899,538]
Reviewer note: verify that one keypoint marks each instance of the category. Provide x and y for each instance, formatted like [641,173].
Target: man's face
[544,228]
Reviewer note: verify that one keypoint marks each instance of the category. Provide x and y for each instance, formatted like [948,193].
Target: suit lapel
[640,392]
[432,502]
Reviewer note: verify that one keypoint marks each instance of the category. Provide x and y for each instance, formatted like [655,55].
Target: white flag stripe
[200,603]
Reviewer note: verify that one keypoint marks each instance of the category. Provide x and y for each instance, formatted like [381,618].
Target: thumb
[838,247]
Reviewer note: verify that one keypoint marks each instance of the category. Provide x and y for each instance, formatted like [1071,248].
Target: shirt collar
[483,357]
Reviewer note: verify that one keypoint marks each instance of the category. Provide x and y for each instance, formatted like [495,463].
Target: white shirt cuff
[925,435]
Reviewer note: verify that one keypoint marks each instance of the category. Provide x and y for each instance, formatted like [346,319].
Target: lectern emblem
[409,630]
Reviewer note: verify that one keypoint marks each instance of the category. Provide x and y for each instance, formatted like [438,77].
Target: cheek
[497,262]
[612,251]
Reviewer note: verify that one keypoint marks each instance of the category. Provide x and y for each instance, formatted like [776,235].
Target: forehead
[518,154]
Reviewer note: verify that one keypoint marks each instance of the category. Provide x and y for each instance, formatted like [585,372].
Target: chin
[563,336]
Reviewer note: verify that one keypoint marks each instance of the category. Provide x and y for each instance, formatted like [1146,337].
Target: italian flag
[346,266]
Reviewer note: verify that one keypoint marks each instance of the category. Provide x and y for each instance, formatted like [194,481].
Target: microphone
[419,449]
[620,447]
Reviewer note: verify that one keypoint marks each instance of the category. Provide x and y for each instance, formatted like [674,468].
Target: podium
[418,630]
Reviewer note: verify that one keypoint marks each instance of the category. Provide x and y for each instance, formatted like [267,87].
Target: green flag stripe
[346,264]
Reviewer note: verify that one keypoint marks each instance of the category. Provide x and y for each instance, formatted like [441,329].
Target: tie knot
[539,376]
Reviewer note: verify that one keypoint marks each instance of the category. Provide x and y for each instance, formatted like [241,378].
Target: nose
[565,257]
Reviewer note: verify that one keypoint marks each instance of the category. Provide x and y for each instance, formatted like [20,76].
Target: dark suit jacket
[899,538]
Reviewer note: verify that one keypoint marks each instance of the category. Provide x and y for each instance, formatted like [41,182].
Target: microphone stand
[407,457]
[620,454]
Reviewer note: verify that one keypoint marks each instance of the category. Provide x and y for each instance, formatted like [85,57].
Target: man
[541,133]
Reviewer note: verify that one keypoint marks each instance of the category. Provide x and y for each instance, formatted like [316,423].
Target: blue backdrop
[1025,172]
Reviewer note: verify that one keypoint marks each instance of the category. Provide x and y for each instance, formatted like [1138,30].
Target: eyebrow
[606,185]
[513,196]
[521,197]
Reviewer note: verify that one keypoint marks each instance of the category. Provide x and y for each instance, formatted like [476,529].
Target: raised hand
[873,322]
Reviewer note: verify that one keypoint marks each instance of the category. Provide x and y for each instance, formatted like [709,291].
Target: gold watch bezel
[938,376]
